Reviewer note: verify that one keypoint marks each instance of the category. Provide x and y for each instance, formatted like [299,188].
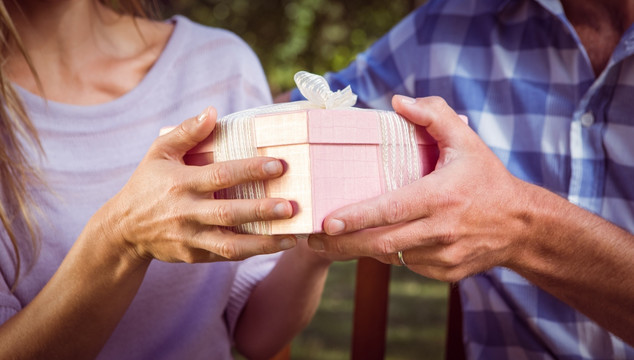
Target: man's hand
[465,217]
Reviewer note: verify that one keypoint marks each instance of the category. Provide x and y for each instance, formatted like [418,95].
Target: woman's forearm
[163,212]
[282,304]
[77,310]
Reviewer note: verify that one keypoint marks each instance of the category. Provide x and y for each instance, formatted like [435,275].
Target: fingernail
[287,243]
[407,100]
[203,115]
[315,243]
[280,210]
[335,226]
[272,167]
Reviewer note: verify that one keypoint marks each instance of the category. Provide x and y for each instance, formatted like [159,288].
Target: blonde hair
[18,177]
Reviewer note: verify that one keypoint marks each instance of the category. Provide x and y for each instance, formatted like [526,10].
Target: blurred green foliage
[292,35]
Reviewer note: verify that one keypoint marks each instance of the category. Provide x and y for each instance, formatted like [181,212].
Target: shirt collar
[553,6]
[556,9]
[625,47]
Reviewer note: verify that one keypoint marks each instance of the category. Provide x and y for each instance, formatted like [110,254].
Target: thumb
[187,135]
[438,118]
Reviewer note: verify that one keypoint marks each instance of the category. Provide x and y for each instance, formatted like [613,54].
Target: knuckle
[448,236]
[448,257]
[453,198]
[335,246]
[174,219]
[184,133]
[174,185]
[386,246]
[267,248]
[228,251]
[339,245]
[181,131]
[439,107]
[253,170]
[437,102]
[394,212]
[260,211]
[224,214]
[358,220]
[178,213]
[220,176]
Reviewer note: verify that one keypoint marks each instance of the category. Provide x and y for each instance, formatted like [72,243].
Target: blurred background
[320,36]
[292,35]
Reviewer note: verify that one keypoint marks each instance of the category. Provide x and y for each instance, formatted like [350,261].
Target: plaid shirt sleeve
[517,69]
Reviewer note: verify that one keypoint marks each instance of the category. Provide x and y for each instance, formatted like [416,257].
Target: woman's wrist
[107,228]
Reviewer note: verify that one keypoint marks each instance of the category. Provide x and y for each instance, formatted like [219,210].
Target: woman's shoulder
[206,38]
[212,63]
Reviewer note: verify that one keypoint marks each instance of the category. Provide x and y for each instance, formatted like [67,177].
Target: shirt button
[587,119]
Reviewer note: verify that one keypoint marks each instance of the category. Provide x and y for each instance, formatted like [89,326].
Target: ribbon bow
[316,90]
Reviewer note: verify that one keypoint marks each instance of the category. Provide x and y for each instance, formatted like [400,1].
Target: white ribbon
[315,88]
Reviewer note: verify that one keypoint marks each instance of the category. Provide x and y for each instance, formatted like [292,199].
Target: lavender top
[181,311]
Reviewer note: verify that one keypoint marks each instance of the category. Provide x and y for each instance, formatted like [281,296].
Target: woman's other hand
[167,210]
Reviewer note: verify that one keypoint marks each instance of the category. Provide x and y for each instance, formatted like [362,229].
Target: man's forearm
[583,260]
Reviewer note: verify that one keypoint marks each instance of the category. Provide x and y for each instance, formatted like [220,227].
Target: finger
[222,175]
[331,256]
[431,269]
[236,212]
[185,136]
[446,271]
[438,118]
[437,255]
[413,201]
[471,254]
[452,274]
[232,246]
[376,242]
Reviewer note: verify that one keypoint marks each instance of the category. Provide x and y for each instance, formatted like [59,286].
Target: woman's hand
[167,210]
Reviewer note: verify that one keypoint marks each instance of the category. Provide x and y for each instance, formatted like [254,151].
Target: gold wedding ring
[400,258]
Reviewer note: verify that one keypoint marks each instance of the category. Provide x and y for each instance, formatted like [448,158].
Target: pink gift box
[333,158]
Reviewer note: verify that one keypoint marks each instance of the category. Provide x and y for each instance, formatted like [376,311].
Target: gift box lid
[318,126]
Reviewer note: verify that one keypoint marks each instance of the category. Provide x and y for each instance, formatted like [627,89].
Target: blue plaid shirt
[517,69]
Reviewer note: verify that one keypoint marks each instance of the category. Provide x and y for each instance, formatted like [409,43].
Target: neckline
[36,104]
